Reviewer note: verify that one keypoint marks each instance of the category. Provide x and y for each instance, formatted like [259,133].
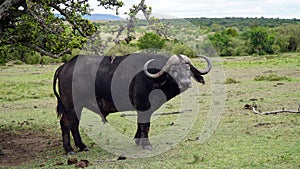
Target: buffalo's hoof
[137,141]
[84,149]
[71,153]
[147,147]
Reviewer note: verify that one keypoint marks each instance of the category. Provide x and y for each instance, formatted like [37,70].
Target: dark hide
[105,86]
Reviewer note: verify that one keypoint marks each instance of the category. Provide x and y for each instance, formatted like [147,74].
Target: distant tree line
[256,40]
[246,36]
[151,42]
[229,36]
[241,23]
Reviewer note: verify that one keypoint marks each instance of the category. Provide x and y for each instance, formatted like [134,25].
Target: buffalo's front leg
[143,127]
[141,136]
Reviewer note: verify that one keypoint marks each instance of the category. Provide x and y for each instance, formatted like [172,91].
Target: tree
[223,41]
[31,25]
[157,26]
[151,41]
[294,34]
[281,39]
[261,41]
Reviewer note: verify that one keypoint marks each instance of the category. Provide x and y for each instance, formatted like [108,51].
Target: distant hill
[102,17]
[99,17]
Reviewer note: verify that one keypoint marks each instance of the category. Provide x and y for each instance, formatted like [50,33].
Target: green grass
[231,80]
[286,60]
[238,142]
[272,77]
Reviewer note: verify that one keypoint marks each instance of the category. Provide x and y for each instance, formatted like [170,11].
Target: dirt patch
[24,146]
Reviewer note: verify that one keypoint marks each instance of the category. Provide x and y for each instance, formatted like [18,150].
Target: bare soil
[24,146]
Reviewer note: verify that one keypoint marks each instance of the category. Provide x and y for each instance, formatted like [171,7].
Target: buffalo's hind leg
[69,122]
[77,137]
[65,128]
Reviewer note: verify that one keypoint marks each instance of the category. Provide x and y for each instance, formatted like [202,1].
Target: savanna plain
[30,135]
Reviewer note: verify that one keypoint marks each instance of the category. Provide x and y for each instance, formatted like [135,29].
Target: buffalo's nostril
[185,84]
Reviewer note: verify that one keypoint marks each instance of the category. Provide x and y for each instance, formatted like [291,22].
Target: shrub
[231,81]
[2,62]
[32,58]
[272,77]
[183,49]
[17,62]
[121,49]
[151,40]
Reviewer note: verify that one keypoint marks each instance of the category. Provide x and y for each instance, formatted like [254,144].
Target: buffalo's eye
[174,71]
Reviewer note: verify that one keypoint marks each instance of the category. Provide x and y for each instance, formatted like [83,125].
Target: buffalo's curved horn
[209,65]
[173,59]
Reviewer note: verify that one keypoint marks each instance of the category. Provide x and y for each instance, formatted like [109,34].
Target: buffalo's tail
[60,107]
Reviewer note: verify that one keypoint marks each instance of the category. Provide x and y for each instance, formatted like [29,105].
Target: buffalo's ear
[197,75]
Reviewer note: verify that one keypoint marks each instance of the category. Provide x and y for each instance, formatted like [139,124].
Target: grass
[27,103]
[231,80]
[272,77]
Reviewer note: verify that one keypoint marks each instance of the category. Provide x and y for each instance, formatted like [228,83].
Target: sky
[287,9]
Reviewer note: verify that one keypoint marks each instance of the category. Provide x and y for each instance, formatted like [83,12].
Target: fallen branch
[254,107]
[159,114]
[273,112]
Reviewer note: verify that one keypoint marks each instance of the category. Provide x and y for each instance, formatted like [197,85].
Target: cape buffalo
[140,82]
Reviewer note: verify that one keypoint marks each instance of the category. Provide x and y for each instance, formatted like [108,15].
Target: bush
[183,49]
[151,40]
[2,62]
[17,62]
[48,60]
[122,49]
[32,58]
[231,81]
[272,77]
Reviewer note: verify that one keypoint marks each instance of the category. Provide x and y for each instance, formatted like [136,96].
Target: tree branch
[159,29]
[41,21]
[69,20]
[42,51]
[6,5]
